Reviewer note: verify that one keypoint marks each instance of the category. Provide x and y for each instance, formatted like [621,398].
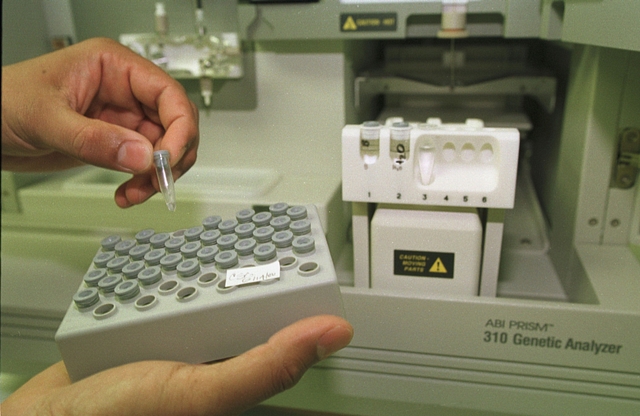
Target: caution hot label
[368,22]
[423,263]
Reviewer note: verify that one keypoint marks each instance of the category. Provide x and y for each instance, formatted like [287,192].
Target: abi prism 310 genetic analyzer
[473,164]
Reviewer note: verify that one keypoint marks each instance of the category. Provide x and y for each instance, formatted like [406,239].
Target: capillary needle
[165,178]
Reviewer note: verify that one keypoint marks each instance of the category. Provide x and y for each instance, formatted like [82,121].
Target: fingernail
[334,340]
[134,156]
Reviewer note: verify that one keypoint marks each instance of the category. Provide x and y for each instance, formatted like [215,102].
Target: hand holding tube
[99,103]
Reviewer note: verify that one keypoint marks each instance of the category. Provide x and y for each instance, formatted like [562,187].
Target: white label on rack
[247,275]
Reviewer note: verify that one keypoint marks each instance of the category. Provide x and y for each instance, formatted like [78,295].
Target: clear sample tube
[165,178]
[370,141]
[400,141]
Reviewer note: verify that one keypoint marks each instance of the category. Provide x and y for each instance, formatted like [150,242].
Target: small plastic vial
[278,209]
[165,178]
[370,142]
[400,141]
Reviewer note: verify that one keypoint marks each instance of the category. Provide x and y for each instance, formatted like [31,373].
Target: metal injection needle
[165,178]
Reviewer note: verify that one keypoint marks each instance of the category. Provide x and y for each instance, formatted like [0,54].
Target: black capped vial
[210,237]
[264,234]
[86,297]
[303,245]
[115,265]
[170,262]
[138,252]
[101,259]
[190,249]
[143,237]
[109,243]
[123,247]
[212,222]
[154,256]
[261,219]
[131,270]
[245,230]
[280,223]
[244,215]
[228,226]
[149,276]
[109,283]
[226,242]
[158,240]
[188,268]
[245,246]
[193,233]
[282,239]
[300,227]
[207,254]
[278,209]
[173,244]
[92,277]
[127,290]
[297,212]
[265,252]
[226,259]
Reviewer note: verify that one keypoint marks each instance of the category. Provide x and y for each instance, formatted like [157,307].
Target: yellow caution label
[423,264]
[438,267]
[368,22]
[349,24]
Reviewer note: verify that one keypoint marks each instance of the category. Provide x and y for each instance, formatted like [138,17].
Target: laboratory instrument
[566,255]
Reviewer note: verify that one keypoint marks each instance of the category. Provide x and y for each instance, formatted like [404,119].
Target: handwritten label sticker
[247,275]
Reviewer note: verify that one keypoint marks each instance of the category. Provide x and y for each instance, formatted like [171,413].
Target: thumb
[103,144]
[277,365]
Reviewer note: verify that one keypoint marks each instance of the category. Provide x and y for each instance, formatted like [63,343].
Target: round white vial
[486,153]
[449,152]
[468,152]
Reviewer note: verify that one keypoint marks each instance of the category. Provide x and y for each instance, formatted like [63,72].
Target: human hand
[99,103]
[170,388]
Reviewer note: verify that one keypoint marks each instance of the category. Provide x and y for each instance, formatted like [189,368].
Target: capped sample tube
[165,178]
[370,141]
[400,141]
